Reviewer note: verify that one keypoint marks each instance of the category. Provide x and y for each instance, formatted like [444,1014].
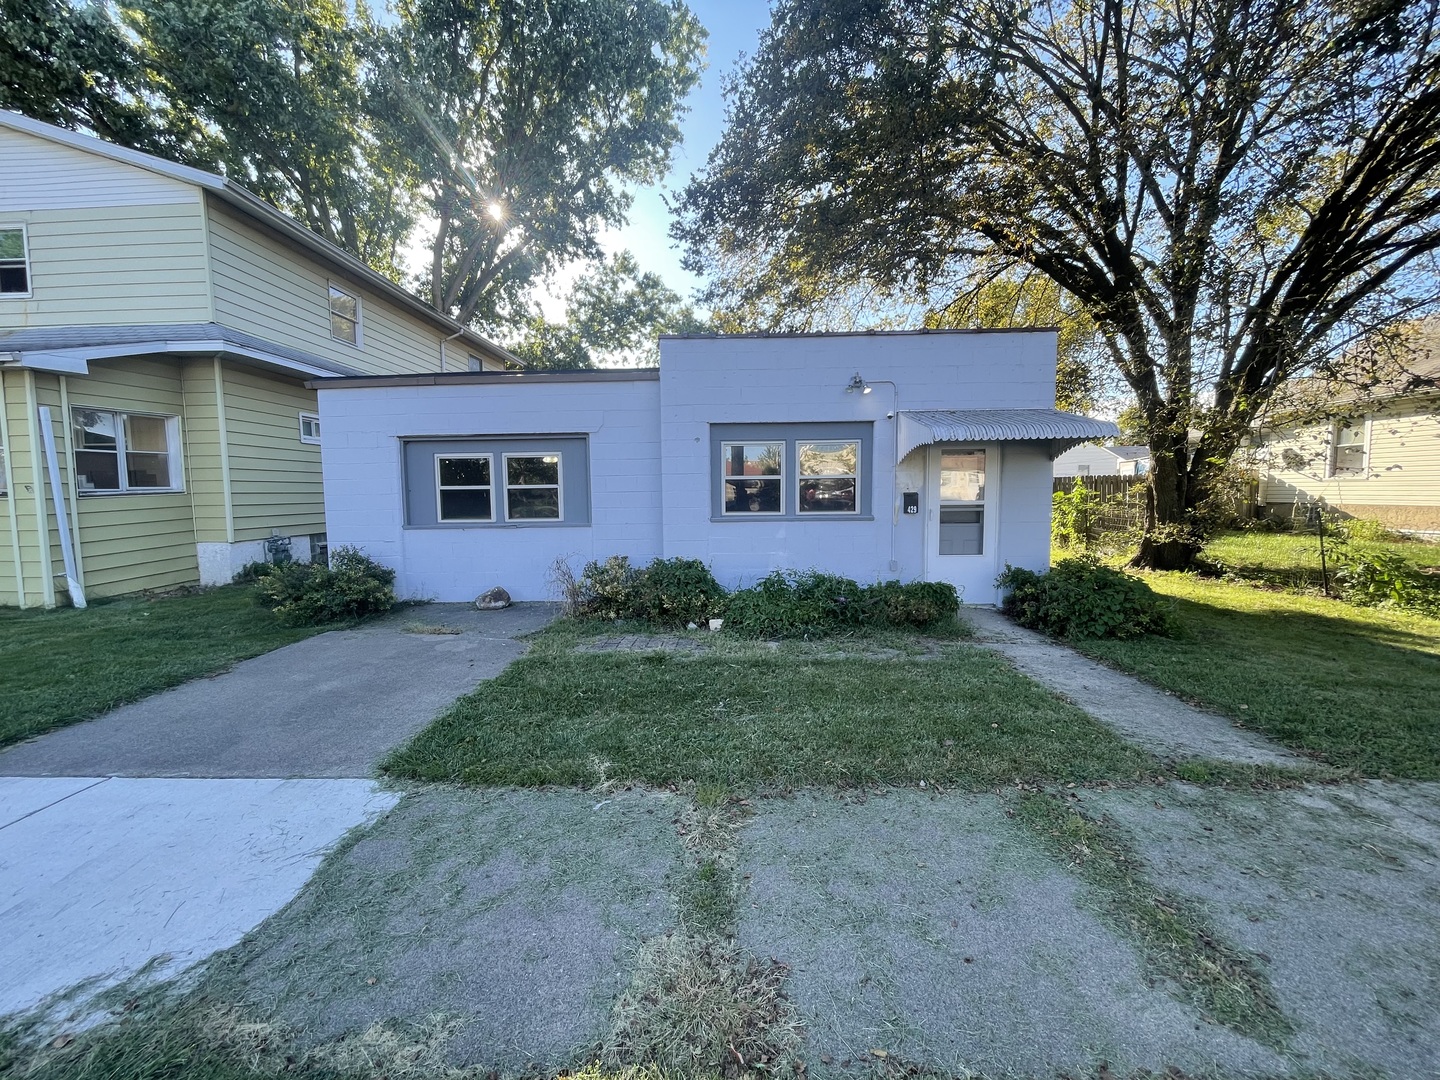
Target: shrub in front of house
[1372,577]
[916,604]
[312,594]
[676,592]
[796,604]
[1082,598]
[606,589]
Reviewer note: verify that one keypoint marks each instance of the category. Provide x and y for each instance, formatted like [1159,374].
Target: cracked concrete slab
[1160,722]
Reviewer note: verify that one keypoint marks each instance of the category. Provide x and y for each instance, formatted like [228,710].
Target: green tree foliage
[614,315]
[1231,189]
[279,85]
[523,123]
[70,65]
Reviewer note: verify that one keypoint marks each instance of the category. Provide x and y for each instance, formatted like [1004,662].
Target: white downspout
[62,520]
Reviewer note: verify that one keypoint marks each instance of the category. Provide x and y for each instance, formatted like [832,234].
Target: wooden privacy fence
[1123,497]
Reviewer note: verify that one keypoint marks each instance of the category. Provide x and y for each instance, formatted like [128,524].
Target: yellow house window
[344,316]
[14,262]
[119,452]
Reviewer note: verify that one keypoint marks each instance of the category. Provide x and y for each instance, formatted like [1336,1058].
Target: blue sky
[734,27]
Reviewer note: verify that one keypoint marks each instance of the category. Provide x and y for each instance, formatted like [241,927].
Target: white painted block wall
[364,485]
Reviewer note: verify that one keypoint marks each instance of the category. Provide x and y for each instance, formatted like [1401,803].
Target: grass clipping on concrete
[697,1004]
[765,716]
[1178,942]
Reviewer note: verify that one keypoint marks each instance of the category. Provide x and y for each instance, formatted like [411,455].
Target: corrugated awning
[1059,430]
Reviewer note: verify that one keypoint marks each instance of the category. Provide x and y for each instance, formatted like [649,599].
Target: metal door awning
[1058,430]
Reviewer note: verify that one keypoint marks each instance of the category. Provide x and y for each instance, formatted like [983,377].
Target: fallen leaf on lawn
[880,1053]
[61,1041]
[371,981]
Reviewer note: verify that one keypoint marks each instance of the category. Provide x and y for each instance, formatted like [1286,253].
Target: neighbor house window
[344,316]
[829,476]
[118,452]
[463,487]
[962,502]
[1348,449]
[14,261]
[309,428]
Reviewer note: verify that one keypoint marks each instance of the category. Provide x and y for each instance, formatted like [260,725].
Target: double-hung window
[118,452]
[1348,449]
[532,487]
[344,316]
[464,487]
[14,262]
[754,477]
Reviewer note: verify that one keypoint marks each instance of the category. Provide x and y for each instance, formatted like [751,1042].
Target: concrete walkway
[329,706]
[1160,722]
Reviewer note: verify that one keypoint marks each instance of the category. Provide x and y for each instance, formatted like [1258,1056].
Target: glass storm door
[961,526]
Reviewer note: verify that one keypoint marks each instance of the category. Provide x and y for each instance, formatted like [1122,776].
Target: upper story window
[119,452]
[14,262]
[1348,448]
[344,316]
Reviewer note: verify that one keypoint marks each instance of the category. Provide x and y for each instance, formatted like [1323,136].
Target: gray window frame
[420,477]
[791,435]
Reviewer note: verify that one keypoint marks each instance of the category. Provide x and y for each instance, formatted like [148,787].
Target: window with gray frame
[790,471]
[522,480]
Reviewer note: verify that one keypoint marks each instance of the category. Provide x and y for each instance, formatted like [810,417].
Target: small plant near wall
[677,592]
[1083,598]
[352,587]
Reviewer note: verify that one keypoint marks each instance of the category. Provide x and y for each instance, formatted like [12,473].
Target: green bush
[1074,515]
[1081,598]
[607,589]
[676,592]
[918,604]
[1368,577]
[1365,530]
[312,594]
[796,603]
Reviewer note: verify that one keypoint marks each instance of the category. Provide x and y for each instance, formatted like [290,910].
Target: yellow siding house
[1377,459]
[158,325]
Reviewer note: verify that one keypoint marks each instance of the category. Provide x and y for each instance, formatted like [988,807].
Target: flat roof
[460,378]
[860,333]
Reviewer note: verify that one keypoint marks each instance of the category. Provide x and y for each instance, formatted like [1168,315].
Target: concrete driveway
[329,706]
[147,839]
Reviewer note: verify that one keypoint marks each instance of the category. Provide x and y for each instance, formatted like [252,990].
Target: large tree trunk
[1169,542]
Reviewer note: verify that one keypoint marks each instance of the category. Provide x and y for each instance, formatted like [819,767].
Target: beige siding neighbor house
[1379,459]
[158,325]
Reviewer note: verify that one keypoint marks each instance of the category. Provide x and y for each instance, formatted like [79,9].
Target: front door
[962,519]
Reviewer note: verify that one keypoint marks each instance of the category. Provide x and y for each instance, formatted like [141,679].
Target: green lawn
[746,716]
[1357,688]
[1292,560]
[57,667]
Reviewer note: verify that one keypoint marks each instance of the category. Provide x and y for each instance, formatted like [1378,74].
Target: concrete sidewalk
[101,879]
[329,706]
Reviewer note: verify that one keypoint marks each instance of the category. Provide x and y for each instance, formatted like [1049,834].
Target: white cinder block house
[923,455]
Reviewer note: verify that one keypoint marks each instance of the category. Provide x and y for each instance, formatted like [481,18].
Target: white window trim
[440,517]
[559,484]
[359,314]
[801,477]
[1336,427]
[29,292]
[313,440]
[172,452]
[784,445]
